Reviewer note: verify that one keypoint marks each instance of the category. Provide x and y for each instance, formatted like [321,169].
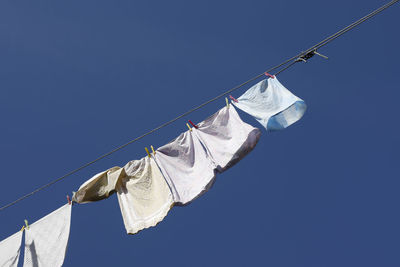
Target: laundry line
[301,57]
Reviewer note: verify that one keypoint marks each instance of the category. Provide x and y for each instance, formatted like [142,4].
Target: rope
[284,64]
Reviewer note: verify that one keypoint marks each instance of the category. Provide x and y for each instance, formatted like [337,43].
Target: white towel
[143,194]
[226,137]
[10,249]
[46,240]
[187,167]
[271,104]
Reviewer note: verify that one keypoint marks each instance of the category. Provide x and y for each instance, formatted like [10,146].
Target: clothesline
[301,57]
[174,174]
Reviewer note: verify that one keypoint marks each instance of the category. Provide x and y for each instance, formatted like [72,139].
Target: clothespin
[187,124]
[23,228]
[148,153]
[69,200]
[152,149]
[194,125]
[26,225]
[233,99]
[270,75]
[227,103]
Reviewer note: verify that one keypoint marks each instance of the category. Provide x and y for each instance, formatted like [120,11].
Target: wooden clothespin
[227,102]
[147,151]
[26,225]
[194,125]
[270,75]
[152,149]
[69,200]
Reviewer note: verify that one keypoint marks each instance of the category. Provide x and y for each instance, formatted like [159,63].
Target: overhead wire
[283,66]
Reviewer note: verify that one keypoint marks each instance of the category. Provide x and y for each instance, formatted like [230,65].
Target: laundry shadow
[32,250]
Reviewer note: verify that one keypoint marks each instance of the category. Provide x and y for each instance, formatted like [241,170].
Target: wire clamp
[309,55]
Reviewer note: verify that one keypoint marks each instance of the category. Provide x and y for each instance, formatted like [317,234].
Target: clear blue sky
[78,78]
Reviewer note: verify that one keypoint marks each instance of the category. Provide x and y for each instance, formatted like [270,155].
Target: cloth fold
[226,137]
[190,162]
[46,240]
[186,166]
[10,249]
[100,186]
[271,104]
[143,195]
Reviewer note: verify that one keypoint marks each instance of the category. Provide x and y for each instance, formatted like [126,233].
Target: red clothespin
[194,125]
[269,75]
[69,200]
[233,99]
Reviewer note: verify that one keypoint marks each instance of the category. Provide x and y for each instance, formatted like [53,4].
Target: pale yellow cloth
[143,194]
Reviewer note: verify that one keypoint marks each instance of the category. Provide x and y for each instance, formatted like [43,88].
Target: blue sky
[78,78]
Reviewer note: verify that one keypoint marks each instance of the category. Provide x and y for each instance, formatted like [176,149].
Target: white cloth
[143,195]
[10,249]
[190,162]
[271,104]
[100,186]
[186,166]
[46,240]
[226,137]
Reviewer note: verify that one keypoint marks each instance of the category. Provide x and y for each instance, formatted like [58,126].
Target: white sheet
[186,166]
[10,249]
[226,137]
[271,104]
[46,240]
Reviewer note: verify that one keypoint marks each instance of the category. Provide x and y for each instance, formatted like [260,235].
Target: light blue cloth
[271,104]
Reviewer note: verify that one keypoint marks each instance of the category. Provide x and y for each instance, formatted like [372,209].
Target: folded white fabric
[226,137]
[46,240]
[143,195]
[10,249]
[271,104]
[186,166]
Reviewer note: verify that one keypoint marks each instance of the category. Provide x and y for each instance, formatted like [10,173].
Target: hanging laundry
[10,249]
[271,104]
[226,137]
[186,166]
[143,195]
[100,186]
[190,162]
[46,240]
